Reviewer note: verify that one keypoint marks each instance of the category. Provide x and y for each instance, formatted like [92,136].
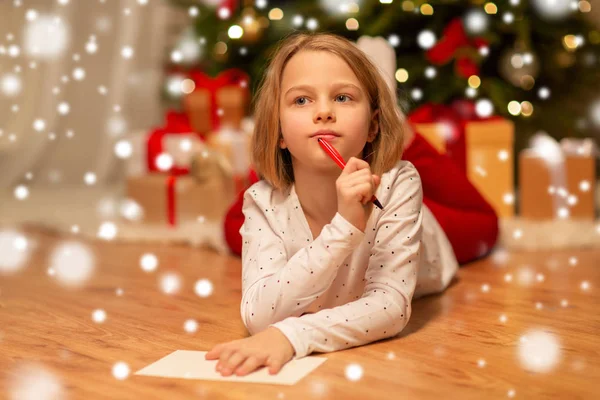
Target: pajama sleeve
[273,287]
[385,306]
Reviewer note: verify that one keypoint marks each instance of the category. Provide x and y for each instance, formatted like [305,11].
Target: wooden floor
[515,325]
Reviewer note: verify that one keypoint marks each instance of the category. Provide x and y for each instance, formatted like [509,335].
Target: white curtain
[108,94]
[114,95]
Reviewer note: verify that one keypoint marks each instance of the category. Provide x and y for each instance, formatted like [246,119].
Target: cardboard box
[547,188]
[490,158]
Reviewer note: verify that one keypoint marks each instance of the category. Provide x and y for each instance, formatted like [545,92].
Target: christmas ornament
[519,68]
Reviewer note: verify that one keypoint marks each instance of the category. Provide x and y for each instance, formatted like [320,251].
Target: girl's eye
[300,98]
[343,96]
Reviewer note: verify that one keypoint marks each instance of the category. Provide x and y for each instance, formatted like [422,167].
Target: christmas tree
[536,62]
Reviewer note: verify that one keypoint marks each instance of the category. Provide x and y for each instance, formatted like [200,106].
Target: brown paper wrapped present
[182,148]
[231,108]
[198,108]
[208,164]
[489,150]
[558,180]
[234,145]
[169,200]
[220,102]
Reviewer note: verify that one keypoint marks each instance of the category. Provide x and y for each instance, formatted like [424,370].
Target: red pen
[333,153]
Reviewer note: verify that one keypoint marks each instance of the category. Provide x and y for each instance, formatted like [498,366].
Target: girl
[322,268]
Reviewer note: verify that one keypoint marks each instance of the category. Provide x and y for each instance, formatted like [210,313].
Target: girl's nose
[325,113]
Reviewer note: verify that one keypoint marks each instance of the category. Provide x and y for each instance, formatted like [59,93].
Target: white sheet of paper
[190,364]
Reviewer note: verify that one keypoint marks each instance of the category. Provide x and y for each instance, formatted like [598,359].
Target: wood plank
[438,354]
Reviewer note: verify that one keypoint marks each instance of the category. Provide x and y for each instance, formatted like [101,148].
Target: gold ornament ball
[515,69]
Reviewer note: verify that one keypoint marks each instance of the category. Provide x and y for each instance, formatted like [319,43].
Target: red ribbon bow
[226,78]
[177,123]
[455,44]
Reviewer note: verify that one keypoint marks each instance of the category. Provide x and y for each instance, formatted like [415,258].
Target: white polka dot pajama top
[346,287]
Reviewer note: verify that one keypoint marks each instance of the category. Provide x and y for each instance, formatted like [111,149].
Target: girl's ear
[282,144]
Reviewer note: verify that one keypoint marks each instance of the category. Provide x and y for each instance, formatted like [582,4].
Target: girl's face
[319,91]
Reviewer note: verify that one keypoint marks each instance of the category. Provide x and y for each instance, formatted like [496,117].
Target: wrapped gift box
[220,102]
[560,185]
[174,138]
[169,199]
[182,148]
[235,146]
[489,151]
[482,147]
[179,146]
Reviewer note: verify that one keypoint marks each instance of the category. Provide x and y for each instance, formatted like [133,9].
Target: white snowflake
[190,326]
[426,39]
[13,251]
[539,351]
[170,283]
[44,38]
[33,381]
[73,263]
[149,262]
[120,370]
[354,372]
[99,316]
[203,288]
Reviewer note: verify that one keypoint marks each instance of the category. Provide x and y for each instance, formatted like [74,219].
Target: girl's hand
[269,348]
[355,188]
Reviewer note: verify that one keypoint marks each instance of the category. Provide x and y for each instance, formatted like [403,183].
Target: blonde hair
[274,164]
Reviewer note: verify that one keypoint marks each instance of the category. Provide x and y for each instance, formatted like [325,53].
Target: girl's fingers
[224,357]
[361,186]
[251,364]
[354,164]
[274,365]
[232,363]
[355,181]
[213,354]
[364,191]
[359,175]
